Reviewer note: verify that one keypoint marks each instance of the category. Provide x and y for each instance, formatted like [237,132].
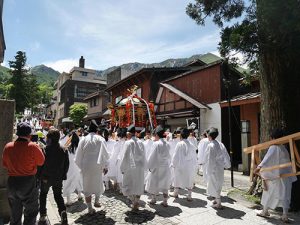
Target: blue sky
[106,32]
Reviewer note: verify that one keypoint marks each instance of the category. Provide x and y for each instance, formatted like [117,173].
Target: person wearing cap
[184,162]
[159,178]
[92,158]
[214,164]
[132,167]
[52,174]
[148,147]
[21,158]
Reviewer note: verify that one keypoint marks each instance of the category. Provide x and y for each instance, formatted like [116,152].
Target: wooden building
[97,105]
[147,80]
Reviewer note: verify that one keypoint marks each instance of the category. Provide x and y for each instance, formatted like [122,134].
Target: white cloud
[35,46]
[109,33]
[63,65]
[5,64]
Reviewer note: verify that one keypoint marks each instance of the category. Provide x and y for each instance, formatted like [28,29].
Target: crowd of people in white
[134,162]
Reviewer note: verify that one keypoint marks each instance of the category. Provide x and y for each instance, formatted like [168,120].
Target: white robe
[119,152]
[227,162]
[214,164]
[203,143]
[112,169]
[279,189]
[173,143]
[184,163]
[148,149]
[91,157]
[132,167]
[74,178]
[193,141]
[159,179]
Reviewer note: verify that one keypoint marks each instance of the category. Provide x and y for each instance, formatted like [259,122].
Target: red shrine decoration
[133,110]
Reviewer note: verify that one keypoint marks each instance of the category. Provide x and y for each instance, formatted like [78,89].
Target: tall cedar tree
[268,35]
[19,80]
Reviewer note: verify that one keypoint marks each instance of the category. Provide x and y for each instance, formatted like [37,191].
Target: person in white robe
[118,154]
[173,142]
[111,174]
[184,163]
[64,137]
[74,178]
[214,165]
[158,163]
[192,139]
[148,148]
[201,153]
[92,158]
[277,191]
[132,167]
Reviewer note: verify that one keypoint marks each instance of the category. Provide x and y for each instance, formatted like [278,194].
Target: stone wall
[6,134]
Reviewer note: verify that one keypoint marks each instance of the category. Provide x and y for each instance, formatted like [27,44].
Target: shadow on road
[76,207]
[227,199]
[99,216]
[199,190]
[230,213]
[139,216]
[196,203]
[169,211]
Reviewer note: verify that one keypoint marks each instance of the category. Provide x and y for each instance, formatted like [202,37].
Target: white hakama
[159,179]
[214,164]
[184,163]
[91,158]
[74,178]
[278,193]
[132,166]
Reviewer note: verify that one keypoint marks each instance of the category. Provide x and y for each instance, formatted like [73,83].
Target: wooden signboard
[295,157]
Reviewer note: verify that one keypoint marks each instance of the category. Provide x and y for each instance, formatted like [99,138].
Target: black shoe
[64,218]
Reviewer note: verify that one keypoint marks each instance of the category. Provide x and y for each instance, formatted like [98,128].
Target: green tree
[45,93]
[77,112]
[268,35]
[19,80]
[32,92]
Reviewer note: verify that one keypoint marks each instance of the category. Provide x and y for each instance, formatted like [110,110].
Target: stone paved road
[115,210]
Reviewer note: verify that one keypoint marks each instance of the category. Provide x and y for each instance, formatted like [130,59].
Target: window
[94,102]
[118,99]
[139,92]
[82,92]
[84,74]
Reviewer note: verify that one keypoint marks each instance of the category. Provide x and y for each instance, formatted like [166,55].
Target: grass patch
[243,194]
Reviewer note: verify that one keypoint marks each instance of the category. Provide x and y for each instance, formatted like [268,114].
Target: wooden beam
[281,166]
[292,156]
[297,155]
[278,141]
[252,164]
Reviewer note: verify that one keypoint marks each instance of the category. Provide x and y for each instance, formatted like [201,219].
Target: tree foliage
[19,79]
[268,35]
[23,86]
[77,112]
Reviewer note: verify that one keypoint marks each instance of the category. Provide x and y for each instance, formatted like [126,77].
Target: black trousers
[57,192]
[23,195]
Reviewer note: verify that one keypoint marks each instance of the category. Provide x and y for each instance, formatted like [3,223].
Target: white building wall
[211,118]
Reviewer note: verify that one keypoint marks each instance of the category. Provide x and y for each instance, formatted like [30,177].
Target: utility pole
[226,81]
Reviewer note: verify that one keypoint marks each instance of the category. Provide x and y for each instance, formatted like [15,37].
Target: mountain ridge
[48,75]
